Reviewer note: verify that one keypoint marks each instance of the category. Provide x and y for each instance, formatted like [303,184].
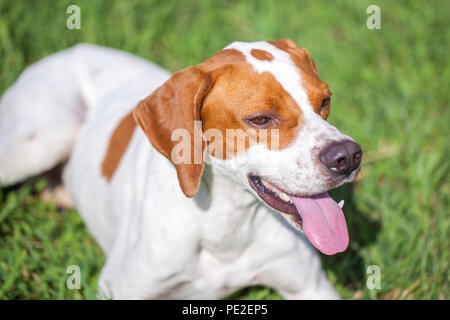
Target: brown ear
[176,105]
[289,46]
[284,44]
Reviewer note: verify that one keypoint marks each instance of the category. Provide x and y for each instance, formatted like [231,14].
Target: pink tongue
[323,222]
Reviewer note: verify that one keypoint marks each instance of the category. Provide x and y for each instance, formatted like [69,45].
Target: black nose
[341,157]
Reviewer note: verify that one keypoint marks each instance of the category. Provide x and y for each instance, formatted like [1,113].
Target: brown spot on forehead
[316,89]
[117,145]
[261,55]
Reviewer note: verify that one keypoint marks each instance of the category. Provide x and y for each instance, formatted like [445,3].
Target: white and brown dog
[225,228]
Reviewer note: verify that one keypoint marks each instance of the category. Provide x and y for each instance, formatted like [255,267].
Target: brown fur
[239,93]
[261,55]
[221,59]
[117,145]
[174,105]
[316,89]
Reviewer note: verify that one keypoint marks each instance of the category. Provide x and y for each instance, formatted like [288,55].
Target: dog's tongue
[323,222]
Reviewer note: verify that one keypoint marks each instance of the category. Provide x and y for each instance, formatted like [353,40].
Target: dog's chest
[235,247]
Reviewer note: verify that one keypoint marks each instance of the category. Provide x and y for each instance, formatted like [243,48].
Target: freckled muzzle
[324,159]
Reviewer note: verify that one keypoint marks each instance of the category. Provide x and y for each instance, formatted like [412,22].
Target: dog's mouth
[318,216]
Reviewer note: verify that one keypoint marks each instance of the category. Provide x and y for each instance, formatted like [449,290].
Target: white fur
[296,168]
[158,243]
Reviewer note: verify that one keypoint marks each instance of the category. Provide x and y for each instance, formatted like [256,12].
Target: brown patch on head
[240,93]
[284,44]
[261,55]
[316,89]
[220,59]
[117,145]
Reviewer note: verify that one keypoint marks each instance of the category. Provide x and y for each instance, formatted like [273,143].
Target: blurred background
[390,93]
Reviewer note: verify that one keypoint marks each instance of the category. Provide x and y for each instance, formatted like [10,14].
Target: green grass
[38,243]
[390,90]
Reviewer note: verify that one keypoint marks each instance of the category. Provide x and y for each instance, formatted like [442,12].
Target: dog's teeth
[341,204]
[267,184]
[285,197]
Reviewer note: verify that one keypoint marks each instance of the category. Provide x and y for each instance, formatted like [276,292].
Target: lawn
[390,92]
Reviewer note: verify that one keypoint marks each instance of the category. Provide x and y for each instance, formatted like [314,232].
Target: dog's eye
[259,121]
[325,108]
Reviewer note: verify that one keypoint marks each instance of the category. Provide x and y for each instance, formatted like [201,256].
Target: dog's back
[82,92]
[42,112]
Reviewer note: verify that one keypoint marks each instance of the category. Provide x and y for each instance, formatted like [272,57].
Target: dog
[205,222]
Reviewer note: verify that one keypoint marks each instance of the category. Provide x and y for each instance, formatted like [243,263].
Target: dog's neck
[230,213]
[220,185]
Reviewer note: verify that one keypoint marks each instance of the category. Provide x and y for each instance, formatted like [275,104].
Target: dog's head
[258,111]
